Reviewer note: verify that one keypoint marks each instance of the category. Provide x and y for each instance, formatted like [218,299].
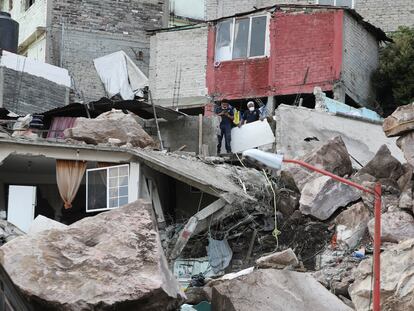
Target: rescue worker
[252,114]
[225,111]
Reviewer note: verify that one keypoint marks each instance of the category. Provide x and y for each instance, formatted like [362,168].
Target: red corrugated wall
[297,41]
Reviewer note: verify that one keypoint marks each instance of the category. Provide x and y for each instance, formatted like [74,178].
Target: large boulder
[113,127]
[383,165]
[397,280]
[113,261]
[400,122]
[332,157]
[406,144]
[351,225]
[278,260]
[396,226]
[322,196]
[274,290]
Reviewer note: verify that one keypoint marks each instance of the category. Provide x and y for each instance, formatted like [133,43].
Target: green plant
[394,78]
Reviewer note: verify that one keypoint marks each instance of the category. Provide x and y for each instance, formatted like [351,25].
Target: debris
[113,260]
[400,122]
[351,225]
[395,227]
[42,223]
[278,260]
[219,254]
[8,232]
[397,280]
[322,196]
[274,290]
[106,127]
[406,144]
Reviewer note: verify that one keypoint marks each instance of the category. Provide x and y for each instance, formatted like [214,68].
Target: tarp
[120,75]
[219,254]
[35,68]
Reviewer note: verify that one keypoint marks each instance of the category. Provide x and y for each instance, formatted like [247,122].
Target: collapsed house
[272,53]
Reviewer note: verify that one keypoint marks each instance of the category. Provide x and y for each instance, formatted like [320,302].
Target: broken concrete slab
[322,196]
[396,226]
[332,157]
[406,144]
[110,261]
[42,223]
[278,260]
[106,128]
[351,225]
[397,279]
[400,122]
[383,165]
[274,290]
[299,130]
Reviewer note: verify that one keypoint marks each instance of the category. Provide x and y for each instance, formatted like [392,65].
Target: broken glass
[223,40]
[241,38]
[258,36]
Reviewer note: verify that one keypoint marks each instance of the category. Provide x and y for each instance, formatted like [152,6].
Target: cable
[276,232]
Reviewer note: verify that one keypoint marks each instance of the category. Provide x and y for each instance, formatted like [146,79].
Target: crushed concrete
[110,261]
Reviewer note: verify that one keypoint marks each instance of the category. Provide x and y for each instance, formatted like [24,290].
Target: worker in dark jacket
[225,111]
[252,114]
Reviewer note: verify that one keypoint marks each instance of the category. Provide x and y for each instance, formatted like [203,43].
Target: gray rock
[406,198]
[406,177]
[400,122]
[274,290]
[113,261]
[397,280]
[351,225]
[106,129]
[406,144]
[8,232]
[278,260]
[396,226]
[323,196]
[383,165]
[332,157]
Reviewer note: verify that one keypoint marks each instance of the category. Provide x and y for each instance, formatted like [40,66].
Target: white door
[21,209]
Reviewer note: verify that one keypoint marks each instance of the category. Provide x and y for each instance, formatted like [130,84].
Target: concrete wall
[385,14]
[362,139]
[360,59]
[92,29]
[24,93]
[185,49]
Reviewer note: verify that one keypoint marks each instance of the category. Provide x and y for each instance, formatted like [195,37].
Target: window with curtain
[240,38]
[107,188]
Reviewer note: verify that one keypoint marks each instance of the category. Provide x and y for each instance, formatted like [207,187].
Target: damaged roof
[377,32]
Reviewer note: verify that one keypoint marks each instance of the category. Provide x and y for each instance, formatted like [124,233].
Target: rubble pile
[8,232]
[110,261]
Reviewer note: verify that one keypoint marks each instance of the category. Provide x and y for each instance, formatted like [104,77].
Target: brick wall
[360,59]
[95,28]
[24,93]
[170,51]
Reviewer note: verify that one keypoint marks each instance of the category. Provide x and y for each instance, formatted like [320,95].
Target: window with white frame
[239,38]
[107,188]
[345,3]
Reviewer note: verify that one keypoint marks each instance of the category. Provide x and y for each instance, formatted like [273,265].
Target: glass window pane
[97,189]
[113,203]
[258,36]
[326,2]
[123,181]
[113,192]
[113,182]
[223,40]
[241,38]
[123,171]
[347,3]
[123,201]
[123,191]
[113,172]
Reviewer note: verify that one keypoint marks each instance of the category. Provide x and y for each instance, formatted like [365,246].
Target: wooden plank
[156,202]
[210,210]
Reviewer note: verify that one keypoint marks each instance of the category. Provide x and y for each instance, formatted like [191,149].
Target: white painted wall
[188,8]
[37,50]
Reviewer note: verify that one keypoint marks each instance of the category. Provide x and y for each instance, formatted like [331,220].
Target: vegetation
[394,79]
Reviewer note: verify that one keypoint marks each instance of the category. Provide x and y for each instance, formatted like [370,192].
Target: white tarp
[251,135]
[24,64]
[120,75]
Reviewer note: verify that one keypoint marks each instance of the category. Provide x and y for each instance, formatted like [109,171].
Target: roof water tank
[9,33]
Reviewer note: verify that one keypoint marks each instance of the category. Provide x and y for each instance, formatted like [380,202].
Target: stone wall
[24,93]
[170,51]
[92,29]
[360,59]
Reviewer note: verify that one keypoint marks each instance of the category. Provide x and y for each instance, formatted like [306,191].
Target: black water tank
[9,33]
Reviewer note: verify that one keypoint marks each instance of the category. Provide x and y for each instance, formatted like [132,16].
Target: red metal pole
[377,249]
